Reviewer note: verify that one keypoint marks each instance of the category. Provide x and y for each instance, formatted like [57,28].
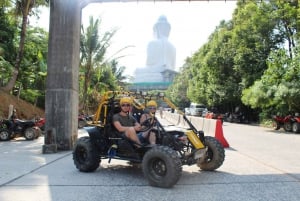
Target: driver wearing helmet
[148,136]
[126,123]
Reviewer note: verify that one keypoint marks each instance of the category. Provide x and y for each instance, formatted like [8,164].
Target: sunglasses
[152,108]
[125,105]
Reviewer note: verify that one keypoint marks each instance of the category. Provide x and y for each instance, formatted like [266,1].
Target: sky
[191,25]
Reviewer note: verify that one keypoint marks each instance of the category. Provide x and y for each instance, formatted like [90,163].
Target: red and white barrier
[210,127]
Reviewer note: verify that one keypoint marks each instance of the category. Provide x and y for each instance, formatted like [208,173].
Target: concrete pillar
[62,75]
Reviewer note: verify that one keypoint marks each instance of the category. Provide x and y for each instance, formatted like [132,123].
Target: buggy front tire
[85,155]
[162,166]
[215,155]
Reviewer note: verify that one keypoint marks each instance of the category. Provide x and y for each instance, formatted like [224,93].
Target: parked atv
[40,122]
[285,122]
[161,164]
[10,129]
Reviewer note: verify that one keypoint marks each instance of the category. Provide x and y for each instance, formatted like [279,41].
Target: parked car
[187,111]
[198,109]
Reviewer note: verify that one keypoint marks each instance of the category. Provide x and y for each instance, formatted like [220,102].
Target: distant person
[125,123]
[148,136]
[161,112]
[12,119]
[13,116]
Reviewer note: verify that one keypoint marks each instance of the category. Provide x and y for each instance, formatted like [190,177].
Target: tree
[7,47]
[23,8]
[279,87]
[93,48]
[177,91]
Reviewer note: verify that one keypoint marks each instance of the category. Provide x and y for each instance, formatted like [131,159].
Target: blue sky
[191,25]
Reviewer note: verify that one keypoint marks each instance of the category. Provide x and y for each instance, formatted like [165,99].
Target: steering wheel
[147,124]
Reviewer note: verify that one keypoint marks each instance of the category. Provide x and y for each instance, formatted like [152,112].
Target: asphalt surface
[260,164]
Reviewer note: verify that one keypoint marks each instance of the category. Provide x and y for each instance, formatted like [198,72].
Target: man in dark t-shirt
[125,123]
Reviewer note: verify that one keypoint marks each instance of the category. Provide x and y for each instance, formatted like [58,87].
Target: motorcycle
[10,129]
[284,122]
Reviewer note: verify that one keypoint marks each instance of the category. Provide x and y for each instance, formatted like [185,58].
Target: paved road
[260,164]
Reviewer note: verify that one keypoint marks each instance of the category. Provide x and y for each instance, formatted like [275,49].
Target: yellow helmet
[125,100]
[152,103]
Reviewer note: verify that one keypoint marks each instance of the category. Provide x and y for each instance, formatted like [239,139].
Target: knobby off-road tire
[162,166]
[296,127]
[215,155]
[85,155]
[30,134]
[4,134]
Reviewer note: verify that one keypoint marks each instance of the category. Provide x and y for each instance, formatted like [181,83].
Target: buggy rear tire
[4,134]
[296,127]
[162,166]
[30,133]
[85,155]
[215,155]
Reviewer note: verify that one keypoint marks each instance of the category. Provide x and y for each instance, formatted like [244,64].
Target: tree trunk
[10,85]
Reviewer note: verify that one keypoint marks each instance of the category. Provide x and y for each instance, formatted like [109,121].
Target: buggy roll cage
[111,96]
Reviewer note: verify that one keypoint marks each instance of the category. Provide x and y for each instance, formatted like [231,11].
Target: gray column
[62,78]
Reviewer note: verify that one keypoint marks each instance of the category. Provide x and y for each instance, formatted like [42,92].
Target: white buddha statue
[161,54]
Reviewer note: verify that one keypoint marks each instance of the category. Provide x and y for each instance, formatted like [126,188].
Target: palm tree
[93,48]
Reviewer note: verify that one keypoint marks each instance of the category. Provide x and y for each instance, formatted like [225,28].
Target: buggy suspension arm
[195,136]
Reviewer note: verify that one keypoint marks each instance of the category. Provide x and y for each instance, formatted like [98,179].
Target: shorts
[142,139]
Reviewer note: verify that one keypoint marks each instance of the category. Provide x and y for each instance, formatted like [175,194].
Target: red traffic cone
[219,134]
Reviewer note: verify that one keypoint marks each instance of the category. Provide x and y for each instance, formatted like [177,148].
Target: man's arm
[119,127]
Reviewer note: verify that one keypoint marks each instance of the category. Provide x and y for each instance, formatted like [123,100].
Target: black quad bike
[10,129]
[161,164]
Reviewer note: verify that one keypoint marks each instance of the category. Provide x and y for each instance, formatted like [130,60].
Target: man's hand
[137,127]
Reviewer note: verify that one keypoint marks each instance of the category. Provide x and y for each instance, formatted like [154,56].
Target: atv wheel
[38,133]
[215,155]
[4,134]
[275,125]
[162,166]
[85,156]
[287,126]
[30,134]
[296,127]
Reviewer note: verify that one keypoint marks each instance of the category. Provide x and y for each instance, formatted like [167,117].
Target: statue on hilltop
[161,55]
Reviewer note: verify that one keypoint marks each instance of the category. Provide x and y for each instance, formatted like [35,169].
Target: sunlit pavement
[258,166]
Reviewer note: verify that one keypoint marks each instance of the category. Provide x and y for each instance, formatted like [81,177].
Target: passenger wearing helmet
[126,123]
[148,136]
